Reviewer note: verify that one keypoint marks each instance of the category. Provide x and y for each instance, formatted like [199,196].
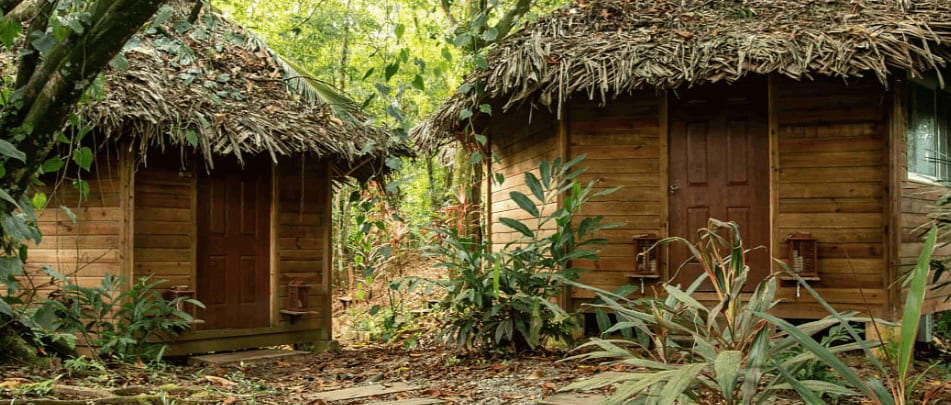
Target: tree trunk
[58,82]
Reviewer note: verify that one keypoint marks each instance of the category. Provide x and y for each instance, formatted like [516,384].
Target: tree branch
[60,81]
[508,20]
[196,11]
[9,5]
[444,4]
[29,61]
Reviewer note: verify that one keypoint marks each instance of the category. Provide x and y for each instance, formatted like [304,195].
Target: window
[929,121]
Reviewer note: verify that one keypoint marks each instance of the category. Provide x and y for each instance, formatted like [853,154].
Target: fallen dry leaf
[229,401]
[221,382]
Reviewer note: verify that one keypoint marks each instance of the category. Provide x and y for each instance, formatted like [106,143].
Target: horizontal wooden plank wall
[164,222]
[87,249]
[622,143]
[832,176]
[520,146]
[302,225]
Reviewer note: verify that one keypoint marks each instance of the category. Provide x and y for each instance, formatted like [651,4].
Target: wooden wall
[623,145]
[302,232]
[164,222]
[520,146]
[832,177]
[89,248]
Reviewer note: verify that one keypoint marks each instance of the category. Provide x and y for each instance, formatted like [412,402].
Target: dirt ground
[433,370]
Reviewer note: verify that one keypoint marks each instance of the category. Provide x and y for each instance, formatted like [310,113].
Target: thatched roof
[213,86]
[604,48]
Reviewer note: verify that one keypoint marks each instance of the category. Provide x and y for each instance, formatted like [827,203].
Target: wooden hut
[818,126]
[214,171]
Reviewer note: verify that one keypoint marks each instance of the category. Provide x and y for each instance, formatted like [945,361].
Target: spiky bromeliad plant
[731,348]
[504,300]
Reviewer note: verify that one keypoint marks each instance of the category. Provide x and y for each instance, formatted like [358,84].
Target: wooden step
[410,401]
[362,392]
[245,356]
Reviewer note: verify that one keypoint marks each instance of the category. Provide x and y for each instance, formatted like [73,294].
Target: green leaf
[485,109]
[163,15]
[475,158]
[535,186]
[481,139]
[368,73]
[391,70]
[42,42]
[524,202]
[9,31]
[6,197]
[679,381]
[499,178]
[399,30]
[394,162]
[39,200]
[464,88]
[465,114]
[418,83]
[518,226]
[76,25]
[10,266]
[83,157]
[9,150]
[913,304]
[6,309]
[727,369]
[490,34]
[446,54]
[120,63]
[544,169]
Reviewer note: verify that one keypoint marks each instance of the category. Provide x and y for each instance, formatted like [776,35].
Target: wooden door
[233,245]
[719,168]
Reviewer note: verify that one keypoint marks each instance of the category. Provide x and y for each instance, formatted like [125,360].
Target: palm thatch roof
[604,48]
[212,86]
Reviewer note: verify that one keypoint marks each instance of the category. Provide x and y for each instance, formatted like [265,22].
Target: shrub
[731,348]
[504,301]
[124,325]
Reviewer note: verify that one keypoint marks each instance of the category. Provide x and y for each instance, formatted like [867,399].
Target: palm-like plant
[732,345]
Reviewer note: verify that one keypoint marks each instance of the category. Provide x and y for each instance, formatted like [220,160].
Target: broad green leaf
[83,157]
[464,88]
[418,83]
[727,367]
[518,226]
[465,114]
[399,30]
[490,34]
[119,63]
[9,150]
[6,309]
[42,42]
[679,381]
[39,200]
[6,197]
[524,203]
[9,31]
[913,304]
[391,70]
[822,353]
[475,158]
[535,186]
[481,139]
[162,15]
[446,54]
